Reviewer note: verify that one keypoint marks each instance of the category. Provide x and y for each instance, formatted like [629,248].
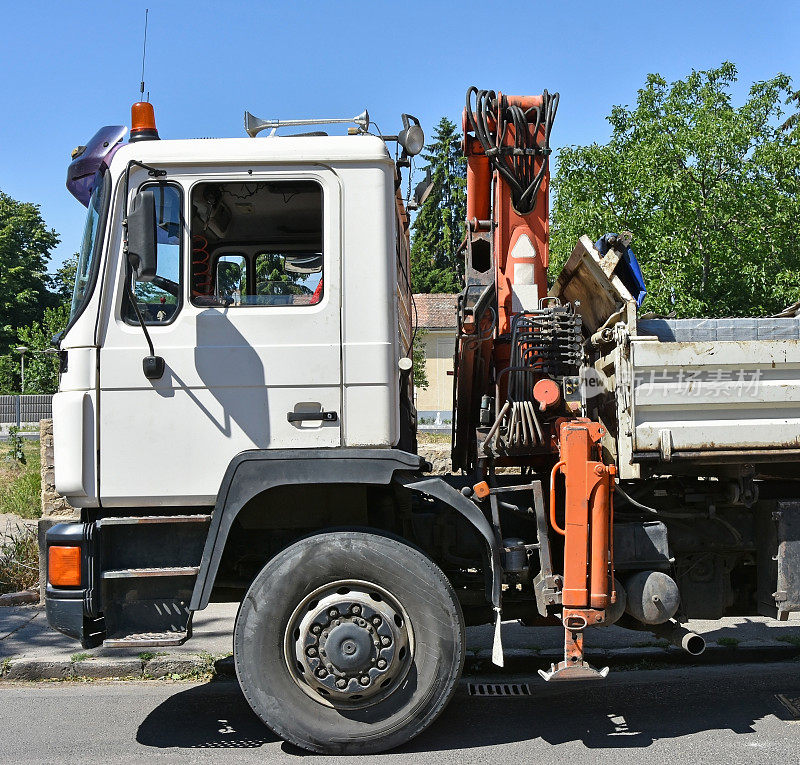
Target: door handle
[312,416]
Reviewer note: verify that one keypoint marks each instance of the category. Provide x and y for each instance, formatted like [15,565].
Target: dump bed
[680,392]
[709,401]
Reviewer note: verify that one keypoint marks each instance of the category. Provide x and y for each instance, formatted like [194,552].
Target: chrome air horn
[254,125]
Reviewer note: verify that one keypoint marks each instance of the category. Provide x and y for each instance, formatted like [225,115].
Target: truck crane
[235,422]
[517,387]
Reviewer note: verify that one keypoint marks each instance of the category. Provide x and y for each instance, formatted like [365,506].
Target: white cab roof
[355,148]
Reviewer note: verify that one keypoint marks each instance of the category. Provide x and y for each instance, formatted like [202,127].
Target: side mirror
[141,242]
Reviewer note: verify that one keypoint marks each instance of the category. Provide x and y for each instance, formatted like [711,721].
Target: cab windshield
[90,251]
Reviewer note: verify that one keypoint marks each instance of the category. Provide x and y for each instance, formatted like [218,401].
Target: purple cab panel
[82,170]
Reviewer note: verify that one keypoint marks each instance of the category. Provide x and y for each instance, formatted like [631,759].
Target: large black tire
[368,569]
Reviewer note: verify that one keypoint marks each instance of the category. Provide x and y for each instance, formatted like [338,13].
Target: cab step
[147,639]
[138,573]
[150,564]
[139,520]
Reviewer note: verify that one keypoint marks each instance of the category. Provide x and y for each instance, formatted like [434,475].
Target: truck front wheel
[349,643]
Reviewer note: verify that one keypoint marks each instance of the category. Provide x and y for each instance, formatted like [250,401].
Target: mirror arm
[153,172]
[152,365]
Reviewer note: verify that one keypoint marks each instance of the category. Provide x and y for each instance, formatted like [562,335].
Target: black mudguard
[443,491]
[253,472]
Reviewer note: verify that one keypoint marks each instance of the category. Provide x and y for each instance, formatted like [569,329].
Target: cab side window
[160,299]
[257,244]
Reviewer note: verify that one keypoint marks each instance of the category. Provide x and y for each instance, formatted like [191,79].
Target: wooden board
[588,279]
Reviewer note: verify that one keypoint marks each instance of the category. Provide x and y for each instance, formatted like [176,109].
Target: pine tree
[439,225]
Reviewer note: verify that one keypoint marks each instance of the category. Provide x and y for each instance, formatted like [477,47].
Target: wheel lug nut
[333,613]
[356,609]
[316,629]
[311,651]
[376,620]
[381,663]
[341,683]
[385,640]
[322,672]
[363,680]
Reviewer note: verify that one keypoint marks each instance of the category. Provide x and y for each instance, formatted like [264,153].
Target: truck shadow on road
[631,710]
[211,716]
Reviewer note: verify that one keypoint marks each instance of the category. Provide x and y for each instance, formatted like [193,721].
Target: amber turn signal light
[64,566]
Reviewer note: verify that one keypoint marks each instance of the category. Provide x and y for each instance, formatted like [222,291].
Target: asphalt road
[700,715]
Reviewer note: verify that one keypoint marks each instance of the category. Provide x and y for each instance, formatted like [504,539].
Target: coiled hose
[516,163]
[201,266]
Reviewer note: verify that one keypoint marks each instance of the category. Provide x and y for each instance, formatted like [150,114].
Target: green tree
[25,249]
[41,364]
[418,358]
[9,374]
[438,228]
[272,277]
[62,281]
[708,189]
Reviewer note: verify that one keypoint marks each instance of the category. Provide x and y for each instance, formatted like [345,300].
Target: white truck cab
[268,307]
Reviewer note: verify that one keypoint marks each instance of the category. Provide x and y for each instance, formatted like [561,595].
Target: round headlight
[412,139]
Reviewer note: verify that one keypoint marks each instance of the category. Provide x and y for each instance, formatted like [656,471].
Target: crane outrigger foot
[574,667]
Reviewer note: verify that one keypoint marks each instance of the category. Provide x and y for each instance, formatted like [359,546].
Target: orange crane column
[587,516]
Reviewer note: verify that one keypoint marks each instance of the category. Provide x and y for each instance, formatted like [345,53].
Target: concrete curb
[111,667]
[520,660]
[517,661]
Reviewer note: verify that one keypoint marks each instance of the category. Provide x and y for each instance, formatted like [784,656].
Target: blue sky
[70,67]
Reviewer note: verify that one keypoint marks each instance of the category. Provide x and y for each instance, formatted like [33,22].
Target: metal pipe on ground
[679,636]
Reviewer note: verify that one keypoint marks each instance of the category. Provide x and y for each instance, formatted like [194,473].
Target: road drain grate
[499,689]
[791,704]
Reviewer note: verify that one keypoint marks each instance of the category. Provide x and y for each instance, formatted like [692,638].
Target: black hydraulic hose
[515,163]
[651,510]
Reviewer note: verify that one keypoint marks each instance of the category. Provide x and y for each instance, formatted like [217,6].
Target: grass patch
[792,639]
[651,644]
[79,657]
[728,642]
[19,561]
[21,483]
[146,656]
[432,438]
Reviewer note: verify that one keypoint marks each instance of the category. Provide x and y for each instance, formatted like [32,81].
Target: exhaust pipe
[679,636]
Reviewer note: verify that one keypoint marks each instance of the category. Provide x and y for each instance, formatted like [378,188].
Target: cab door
[248,323]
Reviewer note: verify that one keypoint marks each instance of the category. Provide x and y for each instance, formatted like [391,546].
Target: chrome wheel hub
[349,643]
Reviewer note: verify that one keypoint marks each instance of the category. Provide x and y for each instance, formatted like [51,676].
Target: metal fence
[16,410]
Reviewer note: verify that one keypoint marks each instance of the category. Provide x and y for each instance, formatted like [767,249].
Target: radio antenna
[144,54]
